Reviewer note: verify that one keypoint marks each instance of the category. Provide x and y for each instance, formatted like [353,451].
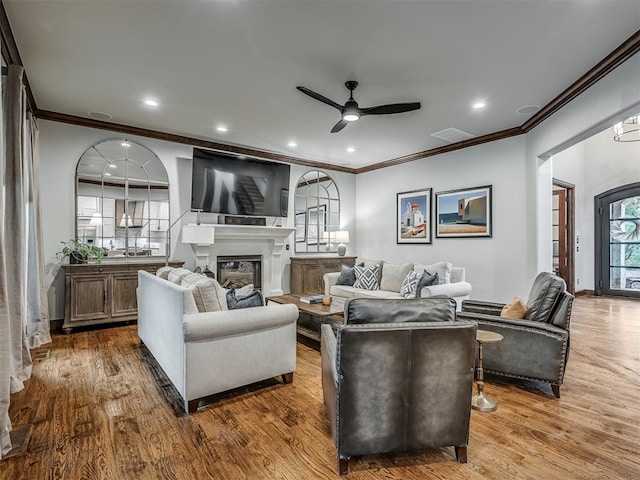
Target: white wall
[594,166]
[61,146]
[495,266]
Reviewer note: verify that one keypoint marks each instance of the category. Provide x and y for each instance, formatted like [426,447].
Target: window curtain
[24,320]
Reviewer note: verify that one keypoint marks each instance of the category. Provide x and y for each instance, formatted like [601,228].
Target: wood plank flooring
[98,412]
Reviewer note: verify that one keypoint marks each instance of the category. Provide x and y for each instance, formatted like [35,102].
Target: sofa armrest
[210,325]
[458,289]
[330,279]
[478,306]
[514,323]
[328,349]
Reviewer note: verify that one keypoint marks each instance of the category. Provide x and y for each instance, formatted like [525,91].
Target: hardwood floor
[98,412]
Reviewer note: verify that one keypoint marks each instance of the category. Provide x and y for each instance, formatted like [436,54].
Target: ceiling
[238,62]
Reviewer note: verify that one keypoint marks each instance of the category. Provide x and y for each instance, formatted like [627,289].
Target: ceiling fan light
[350,116]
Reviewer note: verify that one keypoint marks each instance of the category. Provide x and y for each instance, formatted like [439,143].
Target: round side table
[480,401]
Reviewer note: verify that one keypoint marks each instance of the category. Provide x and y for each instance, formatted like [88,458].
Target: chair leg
[461,454]
[343,466]
[556,390]
[287,377]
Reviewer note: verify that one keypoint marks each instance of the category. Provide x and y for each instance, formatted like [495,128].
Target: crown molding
[184,140]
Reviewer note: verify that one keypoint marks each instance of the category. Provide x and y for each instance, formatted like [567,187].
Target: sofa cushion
[361,293]
[409,285]
[443,269]
[426,280]
[367,277]
[207,293]
[393,274]
[163,272]
[347,275]
[177,274]
[514,309]
[344,291]
[254,299]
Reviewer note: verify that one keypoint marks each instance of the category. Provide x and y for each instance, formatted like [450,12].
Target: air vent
[452,135]
[99,115]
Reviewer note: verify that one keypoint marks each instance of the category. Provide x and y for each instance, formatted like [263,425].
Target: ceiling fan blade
[393,108]
[339,126]
[319,97]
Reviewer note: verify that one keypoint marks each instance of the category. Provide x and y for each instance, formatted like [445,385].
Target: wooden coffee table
[313,315]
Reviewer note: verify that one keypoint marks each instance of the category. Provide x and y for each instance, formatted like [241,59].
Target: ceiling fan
[351,111]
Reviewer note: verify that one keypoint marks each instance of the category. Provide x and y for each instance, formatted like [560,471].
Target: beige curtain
[24,320]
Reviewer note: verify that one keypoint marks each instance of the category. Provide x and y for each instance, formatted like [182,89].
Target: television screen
[222,183]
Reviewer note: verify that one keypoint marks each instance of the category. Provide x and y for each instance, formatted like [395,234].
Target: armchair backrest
[543,298]
[384,310]
[403,386]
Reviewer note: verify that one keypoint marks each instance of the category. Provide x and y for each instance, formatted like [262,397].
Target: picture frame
[301,227]
[316,224]
[464,213]
[413,217]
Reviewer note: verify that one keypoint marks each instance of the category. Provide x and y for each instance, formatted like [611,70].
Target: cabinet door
[312,280]
[89,294]
[123,294]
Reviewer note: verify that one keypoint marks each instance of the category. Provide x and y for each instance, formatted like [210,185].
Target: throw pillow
[244,291]
[443,269]
[366,277]
[254,299]
[347,275]
[409,284]
[393,275]
[177,274]
[426,280]
[163,272]
[207,293]
[514,309]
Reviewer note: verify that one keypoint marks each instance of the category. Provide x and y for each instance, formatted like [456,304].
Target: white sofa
[210,352]
[452,282]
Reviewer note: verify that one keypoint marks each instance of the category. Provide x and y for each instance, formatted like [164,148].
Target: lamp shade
[341,236]
[125,221]
[96,220]
[198,234]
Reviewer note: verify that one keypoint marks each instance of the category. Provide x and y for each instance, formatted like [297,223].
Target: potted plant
[81,252]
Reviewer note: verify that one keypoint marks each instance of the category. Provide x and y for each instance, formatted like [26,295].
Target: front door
[617,222]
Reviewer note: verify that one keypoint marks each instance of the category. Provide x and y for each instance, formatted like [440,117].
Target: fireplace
[239,270]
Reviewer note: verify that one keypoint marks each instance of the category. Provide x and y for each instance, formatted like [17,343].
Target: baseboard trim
[584,293]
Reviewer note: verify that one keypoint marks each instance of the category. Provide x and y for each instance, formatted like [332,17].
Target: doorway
[563,227]
[617,221]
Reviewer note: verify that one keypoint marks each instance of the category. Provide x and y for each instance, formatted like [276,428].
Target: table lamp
[341,237]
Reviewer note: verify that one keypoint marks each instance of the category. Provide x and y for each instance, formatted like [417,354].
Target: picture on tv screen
[227,184]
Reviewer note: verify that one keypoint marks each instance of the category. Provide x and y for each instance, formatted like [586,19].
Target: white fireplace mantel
[268,242]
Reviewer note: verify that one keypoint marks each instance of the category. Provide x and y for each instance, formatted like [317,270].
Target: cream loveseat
[204,353]
[391,275]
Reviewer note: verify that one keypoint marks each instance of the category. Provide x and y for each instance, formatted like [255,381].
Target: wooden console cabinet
[103,293]
[307,272]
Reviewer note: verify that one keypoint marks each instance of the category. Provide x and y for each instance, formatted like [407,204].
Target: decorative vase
[76,258]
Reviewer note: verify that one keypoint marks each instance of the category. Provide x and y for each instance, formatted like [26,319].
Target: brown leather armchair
[536,347]
[398,377]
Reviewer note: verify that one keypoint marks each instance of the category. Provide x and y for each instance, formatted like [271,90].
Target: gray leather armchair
[536,347]
[398,377]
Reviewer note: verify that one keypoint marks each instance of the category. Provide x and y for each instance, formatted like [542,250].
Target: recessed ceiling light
[107,174]
[241,157]
[99,115]
[478,105]
[222,128]
[292,144]
[125,144]
[113,165]
[528,109]
[351,149]
[150,102]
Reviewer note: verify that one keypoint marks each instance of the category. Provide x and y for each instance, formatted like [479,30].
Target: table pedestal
[480,401]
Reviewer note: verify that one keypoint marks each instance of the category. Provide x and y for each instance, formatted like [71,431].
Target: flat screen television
[227,184]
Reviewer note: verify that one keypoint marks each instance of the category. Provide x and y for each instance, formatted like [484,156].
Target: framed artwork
[414,216]
[301,226]
[316,224]
[464,213]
